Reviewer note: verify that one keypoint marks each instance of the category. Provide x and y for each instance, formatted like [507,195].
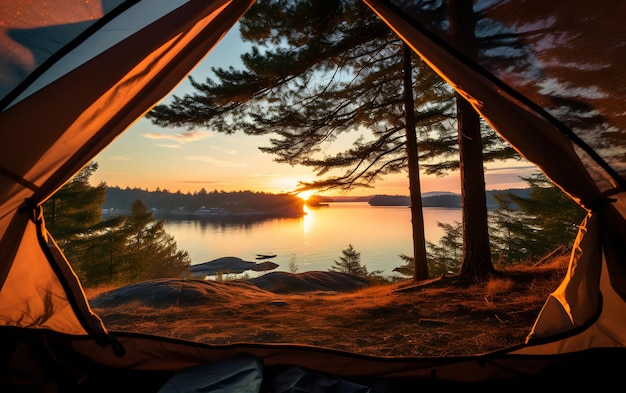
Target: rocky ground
[439,317]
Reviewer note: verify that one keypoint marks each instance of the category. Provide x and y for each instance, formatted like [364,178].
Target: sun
[306,194]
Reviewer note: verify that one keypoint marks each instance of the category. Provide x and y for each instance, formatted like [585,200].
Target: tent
[548,76]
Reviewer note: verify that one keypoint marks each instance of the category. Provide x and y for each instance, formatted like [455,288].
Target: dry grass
[92,293]
[447,316]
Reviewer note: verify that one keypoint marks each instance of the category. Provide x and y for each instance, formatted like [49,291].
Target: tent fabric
[547,76]
[48,305]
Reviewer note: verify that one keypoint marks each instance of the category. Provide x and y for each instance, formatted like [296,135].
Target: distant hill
[449,199]
[443,199]
[389,200]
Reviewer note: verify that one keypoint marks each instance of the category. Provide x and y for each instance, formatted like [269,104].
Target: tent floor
[29,363]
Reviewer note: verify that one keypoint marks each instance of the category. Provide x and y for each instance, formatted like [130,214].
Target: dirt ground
[445,316]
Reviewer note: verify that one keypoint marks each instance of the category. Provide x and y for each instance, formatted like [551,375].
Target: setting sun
[306,194]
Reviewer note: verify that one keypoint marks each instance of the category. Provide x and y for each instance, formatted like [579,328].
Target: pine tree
[508,232]
[476,253]
[350,262]
[72,216]
[445,255]
[75,207]
[546,220]
[149,251]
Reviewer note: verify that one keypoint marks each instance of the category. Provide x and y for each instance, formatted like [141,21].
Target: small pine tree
[444,257]
[350,262]
[293,266]
[76,207]
[529,228]
[150,251]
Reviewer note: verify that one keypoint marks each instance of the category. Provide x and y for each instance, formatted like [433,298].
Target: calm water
[314,241]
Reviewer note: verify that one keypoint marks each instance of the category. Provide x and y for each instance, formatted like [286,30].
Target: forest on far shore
[164,202]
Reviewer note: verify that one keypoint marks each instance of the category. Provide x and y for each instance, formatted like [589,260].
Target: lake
[313,242]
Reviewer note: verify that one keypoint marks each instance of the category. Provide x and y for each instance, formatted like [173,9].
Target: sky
[149,157]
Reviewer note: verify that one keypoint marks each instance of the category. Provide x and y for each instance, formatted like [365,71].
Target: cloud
[213,161]
[265,175]
[120,158]
[200,182]
[514,169]
[184,137]
[221,149]
[170,146]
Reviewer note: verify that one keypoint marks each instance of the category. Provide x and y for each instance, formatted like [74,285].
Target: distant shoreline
[249,205]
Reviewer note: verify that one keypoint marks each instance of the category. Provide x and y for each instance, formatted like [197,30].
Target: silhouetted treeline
[165,203]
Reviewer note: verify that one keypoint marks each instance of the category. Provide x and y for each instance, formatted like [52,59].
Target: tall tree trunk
[476,261]
[415,191]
